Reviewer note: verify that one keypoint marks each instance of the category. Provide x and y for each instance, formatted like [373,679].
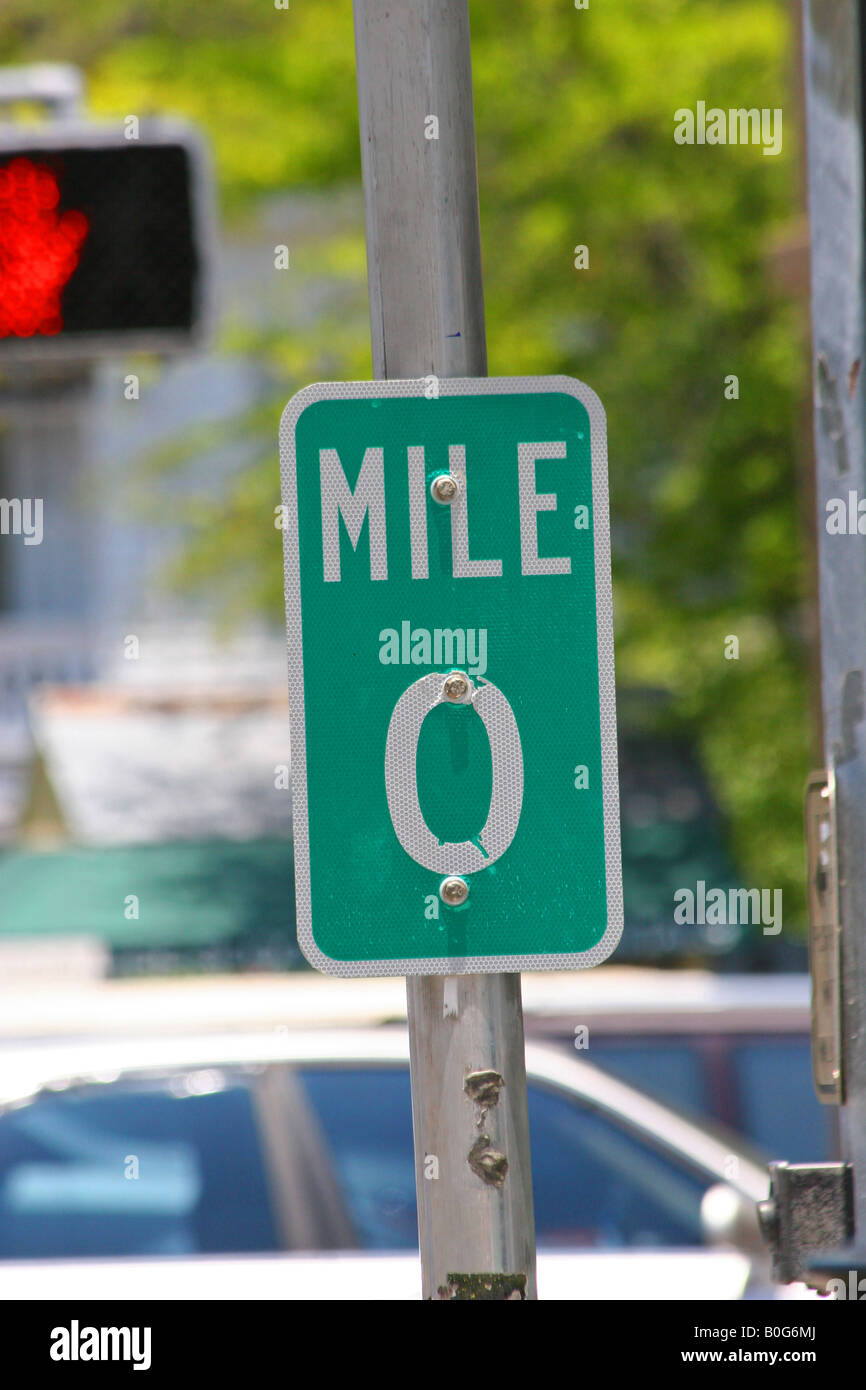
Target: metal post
[834,57]
[59,86]
[472,1164]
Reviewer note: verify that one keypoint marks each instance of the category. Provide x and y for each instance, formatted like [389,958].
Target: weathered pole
[472,1162]
[834,51]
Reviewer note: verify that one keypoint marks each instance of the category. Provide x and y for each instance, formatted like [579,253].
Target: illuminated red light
[38,249]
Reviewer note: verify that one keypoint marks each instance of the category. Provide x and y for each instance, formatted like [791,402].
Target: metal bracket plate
[824,931]
[810,1209]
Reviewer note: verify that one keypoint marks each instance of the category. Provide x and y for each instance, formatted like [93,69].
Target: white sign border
[453,386]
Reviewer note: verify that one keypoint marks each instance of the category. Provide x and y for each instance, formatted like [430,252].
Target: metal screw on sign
[444,488]
[456,686]
[454,891]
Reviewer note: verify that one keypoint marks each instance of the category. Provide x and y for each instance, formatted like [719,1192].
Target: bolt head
[456,686]
[444,488]
[454,891]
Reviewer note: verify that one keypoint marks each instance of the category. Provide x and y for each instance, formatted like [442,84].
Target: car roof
[614,998]
[28,1070]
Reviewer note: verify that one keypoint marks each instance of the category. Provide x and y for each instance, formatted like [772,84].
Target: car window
[595,1184]
[365,1117]
[135,1169]
[780,1109]
[671,1071]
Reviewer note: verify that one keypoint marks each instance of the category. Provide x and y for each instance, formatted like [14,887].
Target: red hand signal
[38,249]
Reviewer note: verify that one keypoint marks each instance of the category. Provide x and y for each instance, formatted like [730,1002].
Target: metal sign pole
[472,1162]
[834,57]
[834,53]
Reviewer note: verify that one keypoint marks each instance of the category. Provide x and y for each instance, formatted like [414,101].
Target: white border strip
[455,386]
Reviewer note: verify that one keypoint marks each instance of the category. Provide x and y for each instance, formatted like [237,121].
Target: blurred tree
[575,120]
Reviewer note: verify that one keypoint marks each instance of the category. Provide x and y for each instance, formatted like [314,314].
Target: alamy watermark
[703,906]
[846,516]
[736,126]
[853,1290]
[438,646]
[77,1343]
[22,516]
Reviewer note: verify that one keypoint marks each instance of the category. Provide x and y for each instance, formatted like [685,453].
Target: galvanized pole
[472,1165]
[834,56]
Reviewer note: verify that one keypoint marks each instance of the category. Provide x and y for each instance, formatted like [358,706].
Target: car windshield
[207,1162]
[595,1185]
[135,1169]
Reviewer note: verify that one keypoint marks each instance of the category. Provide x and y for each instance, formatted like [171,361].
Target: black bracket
[810,1208]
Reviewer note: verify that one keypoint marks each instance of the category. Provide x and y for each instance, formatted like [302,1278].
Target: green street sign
[451,678]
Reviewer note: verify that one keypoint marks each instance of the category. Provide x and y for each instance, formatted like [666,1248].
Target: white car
[279,1164]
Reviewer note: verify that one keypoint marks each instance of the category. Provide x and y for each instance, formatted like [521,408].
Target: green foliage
[575,117]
